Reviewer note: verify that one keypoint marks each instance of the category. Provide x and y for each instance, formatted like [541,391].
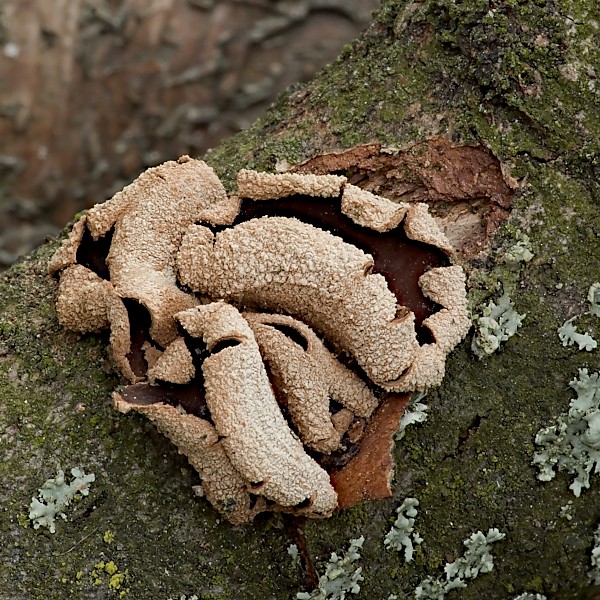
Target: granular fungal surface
[266,330]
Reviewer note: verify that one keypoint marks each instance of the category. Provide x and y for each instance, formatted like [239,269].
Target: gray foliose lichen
[55,495]
[572,444]
[476,559]
[594,573]
[402,534]
[498,323]
[341,576]
[568,332]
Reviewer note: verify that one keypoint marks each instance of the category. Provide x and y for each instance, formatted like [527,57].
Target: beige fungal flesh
[95,306]
[308,297]
[264,186]
[448,326]
[66,255]
[284,265]
[307,378]
[419,225]
[370,210]
[256,437]
[175,364]
[198,440]
[149,218]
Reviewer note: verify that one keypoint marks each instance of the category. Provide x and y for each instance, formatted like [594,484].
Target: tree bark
[494,117]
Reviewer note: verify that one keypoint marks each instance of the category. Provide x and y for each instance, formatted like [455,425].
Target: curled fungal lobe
[255,435]
[250,336]
[284,265]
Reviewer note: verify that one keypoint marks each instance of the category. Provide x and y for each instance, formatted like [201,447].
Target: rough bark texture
[516,78]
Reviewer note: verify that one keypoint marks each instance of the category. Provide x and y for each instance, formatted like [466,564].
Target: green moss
[23,520]
[535,585]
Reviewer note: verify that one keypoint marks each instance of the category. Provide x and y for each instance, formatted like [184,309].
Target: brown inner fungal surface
[248,364]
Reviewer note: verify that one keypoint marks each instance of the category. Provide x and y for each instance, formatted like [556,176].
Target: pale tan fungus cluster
[149,218]
[260,289]
[306,377]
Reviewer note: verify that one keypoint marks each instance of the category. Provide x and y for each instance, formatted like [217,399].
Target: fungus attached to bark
[261,330]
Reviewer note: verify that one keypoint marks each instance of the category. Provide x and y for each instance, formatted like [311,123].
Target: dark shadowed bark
[490,113]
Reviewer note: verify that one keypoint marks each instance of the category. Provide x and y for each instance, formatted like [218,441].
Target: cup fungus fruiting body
[260,330]
[310,274]
[256,436]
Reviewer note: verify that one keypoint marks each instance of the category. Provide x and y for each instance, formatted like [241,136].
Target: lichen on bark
[516,79]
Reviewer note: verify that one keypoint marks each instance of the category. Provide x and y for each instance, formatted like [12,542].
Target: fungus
[307,379]
[199,441]
[284,265]
[145,222]
[265,333]
[256,437]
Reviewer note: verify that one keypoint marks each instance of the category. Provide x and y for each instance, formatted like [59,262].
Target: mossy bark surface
[518,78]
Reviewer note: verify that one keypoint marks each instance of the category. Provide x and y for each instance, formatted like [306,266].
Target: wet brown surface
[368,475]
[190,397]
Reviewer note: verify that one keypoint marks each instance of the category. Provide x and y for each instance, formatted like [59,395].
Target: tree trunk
[490,113]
